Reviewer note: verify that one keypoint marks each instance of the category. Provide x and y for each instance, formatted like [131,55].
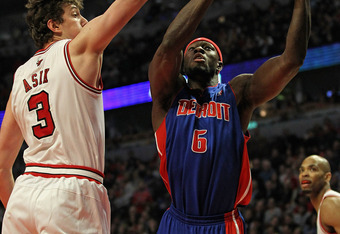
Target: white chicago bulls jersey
[320,228]
[60,116]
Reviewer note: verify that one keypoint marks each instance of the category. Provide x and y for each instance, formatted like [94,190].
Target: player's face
[312,178]
[73,21]
[201,57]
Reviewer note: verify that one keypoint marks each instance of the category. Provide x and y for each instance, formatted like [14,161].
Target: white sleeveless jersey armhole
[320,228]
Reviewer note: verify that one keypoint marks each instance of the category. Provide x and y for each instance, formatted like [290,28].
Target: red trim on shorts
[65,166]
[233,222]
[80,172]
[60,176]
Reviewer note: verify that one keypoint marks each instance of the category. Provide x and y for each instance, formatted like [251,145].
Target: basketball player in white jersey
[315,175]
[56,107]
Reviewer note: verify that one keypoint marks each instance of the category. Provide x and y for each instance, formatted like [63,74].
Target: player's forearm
[186,22]
[299,32]
[100,31]
[6,185]
[121,11]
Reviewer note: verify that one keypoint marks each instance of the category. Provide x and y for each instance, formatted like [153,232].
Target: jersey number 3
[40,104]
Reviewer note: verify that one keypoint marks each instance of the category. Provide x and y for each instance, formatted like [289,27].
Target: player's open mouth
[199,58]
[305,183]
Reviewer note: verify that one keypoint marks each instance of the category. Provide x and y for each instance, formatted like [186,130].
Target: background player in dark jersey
[315,175]
[201,125]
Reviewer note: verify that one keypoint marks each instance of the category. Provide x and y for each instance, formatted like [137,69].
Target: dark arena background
[303,120]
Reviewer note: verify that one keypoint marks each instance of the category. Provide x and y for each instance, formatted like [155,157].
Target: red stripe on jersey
[42,51]
[160,136]
[244,191]
[232,90]
[75,74]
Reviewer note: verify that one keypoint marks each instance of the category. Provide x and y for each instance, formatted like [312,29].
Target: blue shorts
[174,221]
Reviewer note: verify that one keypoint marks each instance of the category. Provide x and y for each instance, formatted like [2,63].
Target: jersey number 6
[199,143]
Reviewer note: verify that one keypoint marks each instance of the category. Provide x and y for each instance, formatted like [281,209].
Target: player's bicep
[164,71]
[165,81]
[271,78]
[241,87]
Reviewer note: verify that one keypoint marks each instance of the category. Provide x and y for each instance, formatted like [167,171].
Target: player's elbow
[294,57]
[293,63]
[299,60]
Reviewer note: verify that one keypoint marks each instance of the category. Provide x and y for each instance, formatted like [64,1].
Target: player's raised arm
[270,79]
[87,47]
[164,70]
[98,33]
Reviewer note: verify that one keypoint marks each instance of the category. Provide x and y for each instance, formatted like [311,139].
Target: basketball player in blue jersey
[201,125]
[56,106]
[315,175]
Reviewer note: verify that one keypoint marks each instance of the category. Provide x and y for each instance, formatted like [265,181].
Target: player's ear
[219,66]
[53,26]
[328,176]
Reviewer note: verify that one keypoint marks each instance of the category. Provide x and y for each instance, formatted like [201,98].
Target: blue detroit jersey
[202,149]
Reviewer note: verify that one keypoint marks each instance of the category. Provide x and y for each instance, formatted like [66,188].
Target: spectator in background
[315,175]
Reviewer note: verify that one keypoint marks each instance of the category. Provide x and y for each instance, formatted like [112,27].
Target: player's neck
[201,85]
[317,198]
[48,44]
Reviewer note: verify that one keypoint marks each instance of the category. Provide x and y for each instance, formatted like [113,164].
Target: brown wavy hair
[38,14]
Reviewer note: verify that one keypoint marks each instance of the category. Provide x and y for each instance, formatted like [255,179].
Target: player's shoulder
[241,81]
[331,203]
[240,85]
[242,77]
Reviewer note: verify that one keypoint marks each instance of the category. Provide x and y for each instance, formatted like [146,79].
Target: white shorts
[57,205]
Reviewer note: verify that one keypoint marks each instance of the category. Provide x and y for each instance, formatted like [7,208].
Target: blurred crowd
[137,194]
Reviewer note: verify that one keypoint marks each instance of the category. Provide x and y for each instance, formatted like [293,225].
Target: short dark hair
[39,12]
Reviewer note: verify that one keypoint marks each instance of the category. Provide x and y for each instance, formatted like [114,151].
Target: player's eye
[313,169]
